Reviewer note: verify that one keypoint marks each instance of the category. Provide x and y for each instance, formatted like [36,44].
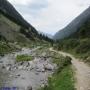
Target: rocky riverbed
[29,75]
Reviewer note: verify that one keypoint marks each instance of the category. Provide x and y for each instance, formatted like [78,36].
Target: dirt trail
[82,71]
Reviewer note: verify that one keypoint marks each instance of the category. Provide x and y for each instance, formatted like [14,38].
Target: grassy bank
[63,78]
[78,43]
[80,48]
[61,81]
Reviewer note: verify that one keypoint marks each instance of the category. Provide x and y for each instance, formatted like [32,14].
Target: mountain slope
[13,26]
[74,25]
[78,43]
[11,12]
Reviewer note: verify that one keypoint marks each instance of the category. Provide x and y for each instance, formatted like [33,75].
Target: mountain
[77,43]
[13,26]
[73,26]
[11,12]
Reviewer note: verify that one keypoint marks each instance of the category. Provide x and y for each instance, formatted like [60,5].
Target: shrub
[64,61]
[83,47]
[23,58]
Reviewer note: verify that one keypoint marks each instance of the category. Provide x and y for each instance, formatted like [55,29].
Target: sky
[50,16]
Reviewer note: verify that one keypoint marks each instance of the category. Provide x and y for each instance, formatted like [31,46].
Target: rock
[26,64]
[29,88]
[8,68]
[3,67]
[17,75]
[14,68]
[20,67]
[37,73]
[31,64]
[24,67]
[10,75]
[21,63]
[49,67]
[40,70]
[2,55]
[88,59]
[1,61]
[42,86]
[23,78]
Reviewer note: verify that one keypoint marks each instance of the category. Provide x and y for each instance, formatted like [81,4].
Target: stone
[14,68]
[17,75]
[40,70]
[21,63]
[10,75]
[37,73]
[42,86]
[3,67]
[29,88]
[48,67]
[20,67]
[23,78]
[8,68]
[1,61]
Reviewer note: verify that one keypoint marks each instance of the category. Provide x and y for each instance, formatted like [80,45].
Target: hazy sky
[50,15]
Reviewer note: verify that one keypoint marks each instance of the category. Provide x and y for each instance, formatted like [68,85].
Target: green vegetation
[63,78]
[20,58]
[61,81]
[79,48]
[6,48]
[61,61]
[78,44]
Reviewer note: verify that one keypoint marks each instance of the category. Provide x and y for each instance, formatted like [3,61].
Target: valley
[33,74]
[33,60]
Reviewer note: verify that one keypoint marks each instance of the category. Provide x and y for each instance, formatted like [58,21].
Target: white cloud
[20,2]
[50,15]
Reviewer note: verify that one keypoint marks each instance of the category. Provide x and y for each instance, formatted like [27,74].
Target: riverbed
[26,75]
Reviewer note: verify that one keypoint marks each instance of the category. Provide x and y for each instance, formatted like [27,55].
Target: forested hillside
[78,43]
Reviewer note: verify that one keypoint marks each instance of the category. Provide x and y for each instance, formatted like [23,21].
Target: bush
[23,58]
[84,46]
[67,44]
[64,61]
[6,48]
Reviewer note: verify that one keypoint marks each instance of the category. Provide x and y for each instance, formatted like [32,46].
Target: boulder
[49,67]
[1,61]
[43,85]
[40,70]
[29,88]
[8,68]
[3,67]
[20,67]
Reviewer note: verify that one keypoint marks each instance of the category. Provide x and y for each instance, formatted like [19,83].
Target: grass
[61,81]
[80,49]
[6,48]
[63,78]
[20,58]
